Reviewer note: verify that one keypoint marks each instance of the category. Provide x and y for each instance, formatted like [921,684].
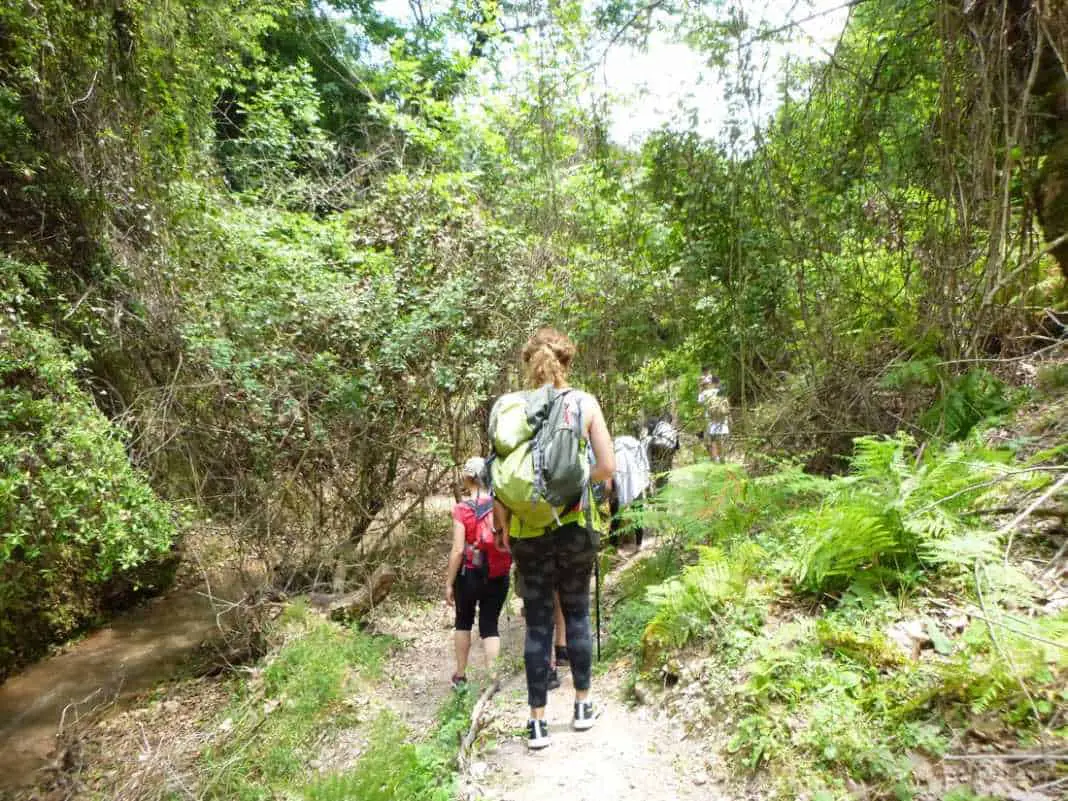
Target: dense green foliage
[796,592]
[76,518]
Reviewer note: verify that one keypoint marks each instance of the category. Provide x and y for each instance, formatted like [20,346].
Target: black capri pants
[558,561]
[488,594]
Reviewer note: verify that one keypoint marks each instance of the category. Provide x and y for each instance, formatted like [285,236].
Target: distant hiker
[717,411]
[630,483]
[477,574]
[541,476]
[662,444]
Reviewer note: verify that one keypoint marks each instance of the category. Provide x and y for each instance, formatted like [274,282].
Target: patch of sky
[669,80]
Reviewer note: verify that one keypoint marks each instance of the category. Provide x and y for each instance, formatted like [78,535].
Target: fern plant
[846,535]
[1021,676]
[897,510]
[689,606]
[966,401]
[708,503]
[962,401]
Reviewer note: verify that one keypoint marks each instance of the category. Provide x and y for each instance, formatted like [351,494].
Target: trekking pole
[596,539]
[597,598]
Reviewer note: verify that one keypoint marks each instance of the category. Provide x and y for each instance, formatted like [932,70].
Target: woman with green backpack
[541,475]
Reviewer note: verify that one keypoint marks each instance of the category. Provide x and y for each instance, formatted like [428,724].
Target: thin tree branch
[1010,527]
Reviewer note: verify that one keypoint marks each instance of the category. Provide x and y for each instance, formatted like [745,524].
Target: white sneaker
[537,734]
[583,716]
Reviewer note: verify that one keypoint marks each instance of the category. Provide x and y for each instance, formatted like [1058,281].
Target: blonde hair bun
[547,357]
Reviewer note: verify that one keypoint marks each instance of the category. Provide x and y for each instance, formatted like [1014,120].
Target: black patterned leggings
[559,560]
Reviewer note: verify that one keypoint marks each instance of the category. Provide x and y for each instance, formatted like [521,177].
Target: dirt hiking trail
[631,754]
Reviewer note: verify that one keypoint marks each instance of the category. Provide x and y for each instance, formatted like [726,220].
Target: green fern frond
[717,503]
[965,402]
[845,537]
[689,606]
[881,458]
[961,549]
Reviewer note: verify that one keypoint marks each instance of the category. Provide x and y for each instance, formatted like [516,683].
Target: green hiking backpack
[539,467]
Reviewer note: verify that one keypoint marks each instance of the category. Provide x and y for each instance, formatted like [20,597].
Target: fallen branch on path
[476,723]
[354,605]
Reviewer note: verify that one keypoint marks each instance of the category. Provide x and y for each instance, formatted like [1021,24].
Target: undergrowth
[301,698]
[396,769]
[796,587]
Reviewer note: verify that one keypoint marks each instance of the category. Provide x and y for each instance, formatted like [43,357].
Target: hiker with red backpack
[541,475]
[477,573]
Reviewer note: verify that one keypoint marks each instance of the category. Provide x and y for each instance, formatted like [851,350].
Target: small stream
[133,653]
[136,651]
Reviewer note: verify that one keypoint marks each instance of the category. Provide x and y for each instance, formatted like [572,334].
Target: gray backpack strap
[540,411]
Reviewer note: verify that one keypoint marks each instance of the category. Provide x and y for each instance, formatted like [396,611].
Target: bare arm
[601,441]
[455,556]
[502,521]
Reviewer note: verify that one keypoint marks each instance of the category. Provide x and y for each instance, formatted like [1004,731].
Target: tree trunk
[1053,199]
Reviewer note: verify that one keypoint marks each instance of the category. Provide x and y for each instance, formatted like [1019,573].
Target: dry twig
[476,723]
[1010,527]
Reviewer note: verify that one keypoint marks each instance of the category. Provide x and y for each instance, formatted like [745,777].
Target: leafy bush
[961,401]
[326,385]
[964,403]
[690,606]
[76,521]
[632,612]
[713,504]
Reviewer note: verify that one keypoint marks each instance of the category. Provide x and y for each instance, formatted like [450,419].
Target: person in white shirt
[717,414]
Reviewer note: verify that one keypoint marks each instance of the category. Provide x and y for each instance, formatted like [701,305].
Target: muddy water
[132,654]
